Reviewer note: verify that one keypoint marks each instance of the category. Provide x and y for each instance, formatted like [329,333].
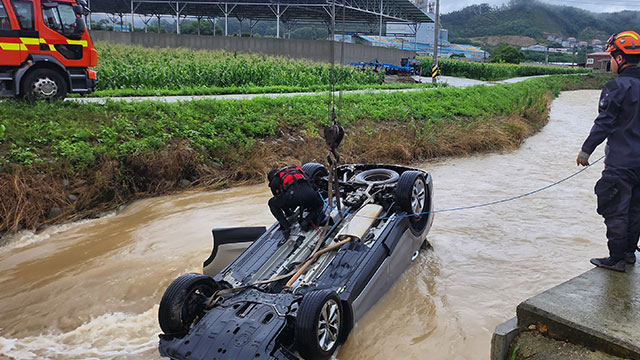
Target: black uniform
[291,189]
[618,190]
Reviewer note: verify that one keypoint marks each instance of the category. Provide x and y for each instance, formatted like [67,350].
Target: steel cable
[473,206]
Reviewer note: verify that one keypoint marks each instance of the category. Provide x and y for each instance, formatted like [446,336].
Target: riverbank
[64,161]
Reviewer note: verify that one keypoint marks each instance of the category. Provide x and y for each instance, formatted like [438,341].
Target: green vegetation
[278,89]
[137,71]
[505,53]
[534,18]
[135,67]
[73,136]
[493,72]
[540,57]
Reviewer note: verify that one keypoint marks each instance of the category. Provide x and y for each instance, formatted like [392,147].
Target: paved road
[452,81]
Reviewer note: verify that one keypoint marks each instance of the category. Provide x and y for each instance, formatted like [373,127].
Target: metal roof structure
[354,11]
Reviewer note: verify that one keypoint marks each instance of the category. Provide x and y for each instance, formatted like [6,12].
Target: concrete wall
[316,50]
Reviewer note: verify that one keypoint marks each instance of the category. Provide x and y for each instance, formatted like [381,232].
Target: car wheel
[411,194]
[318,324]
[44,84]
[315,171]
[184,301]
[376,176]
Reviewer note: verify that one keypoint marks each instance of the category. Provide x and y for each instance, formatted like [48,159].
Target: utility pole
[436,33]
[546,56]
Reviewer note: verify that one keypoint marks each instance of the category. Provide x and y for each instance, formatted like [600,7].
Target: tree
[505,53]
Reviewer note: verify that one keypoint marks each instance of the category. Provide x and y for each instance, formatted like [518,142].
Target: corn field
[490,72]
[136,67]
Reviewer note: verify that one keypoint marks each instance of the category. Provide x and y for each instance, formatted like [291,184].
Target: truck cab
[45,49]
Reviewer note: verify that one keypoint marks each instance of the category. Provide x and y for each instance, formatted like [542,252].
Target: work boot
[321,219]
[630,257]
[285,237]
[305,225]
[609,263]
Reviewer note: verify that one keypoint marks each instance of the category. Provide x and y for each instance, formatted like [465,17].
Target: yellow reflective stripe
[43,41]
[52,48]
[628,34]
[30,41]
[77,42]
[10,46]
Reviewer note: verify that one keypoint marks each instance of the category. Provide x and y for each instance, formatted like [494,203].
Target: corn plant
[135,67]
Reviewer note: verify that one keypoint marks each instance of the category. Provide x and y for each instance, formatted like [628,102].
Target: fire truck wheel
[44,84]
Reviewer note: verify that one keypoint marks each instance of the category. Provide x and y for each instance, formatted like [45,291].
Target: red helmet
[627,41]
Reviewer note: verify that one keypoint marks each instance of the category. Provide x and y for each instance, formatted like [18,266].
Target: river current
[91,289]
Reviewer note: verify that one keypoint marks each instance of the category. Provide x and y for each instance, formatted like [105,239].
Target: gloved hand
[583,158]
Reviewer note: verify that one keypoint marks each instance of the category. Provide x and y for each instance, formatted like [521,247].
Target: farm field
[125,70]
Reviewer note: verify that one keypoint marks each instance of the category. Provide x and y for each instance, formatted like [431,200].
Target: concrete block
[502,338]
[599,309]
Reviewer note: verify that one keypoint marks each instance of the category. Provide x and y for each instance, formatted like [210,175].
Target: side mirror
[85,7]
[78,9]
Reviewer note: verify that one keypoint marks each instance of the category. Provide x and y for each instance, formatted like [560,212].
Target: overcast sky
[447,6]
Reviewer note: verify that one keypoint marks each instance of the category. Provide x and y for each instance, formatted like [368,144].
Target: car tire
[315,172]
[412,197]
[43,84]
[183,303]
[319,324]
[376,176]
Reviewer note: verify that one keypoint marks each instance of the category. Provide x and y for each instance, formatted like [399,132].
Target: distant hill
[534,19]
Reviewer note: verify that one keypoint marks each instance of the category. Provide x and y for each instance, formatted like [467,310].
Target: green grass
[72,137]
[276,89]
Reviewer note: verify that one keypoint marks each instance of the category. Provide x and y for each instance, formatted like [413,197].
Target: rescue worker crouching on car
[618,190]
[291,188]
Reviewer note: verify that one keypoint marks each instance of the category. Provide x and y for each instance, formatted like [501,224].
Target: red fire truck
[45,49]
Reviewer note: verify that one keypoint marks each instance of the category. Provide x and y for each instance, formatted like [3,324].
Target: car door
[27,37]
[9,39]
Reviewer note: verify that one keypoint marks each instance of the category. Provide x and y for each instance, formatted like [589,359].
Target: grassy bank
[84,159]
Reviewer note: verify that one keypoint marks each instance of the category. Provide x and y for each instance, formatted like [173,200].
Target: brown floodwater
[91,289]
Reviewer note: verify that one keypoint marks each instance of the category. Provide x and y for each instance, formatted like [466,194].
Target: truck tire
[43,84]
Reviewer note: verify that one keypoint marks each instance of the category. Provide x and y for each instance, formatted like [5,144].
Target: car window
[51,19]
[24,13]
[4,19]
[60,18]
[67,15]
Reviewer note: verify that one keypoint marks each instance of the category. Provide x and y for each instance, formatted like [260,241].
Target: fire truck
[45,49]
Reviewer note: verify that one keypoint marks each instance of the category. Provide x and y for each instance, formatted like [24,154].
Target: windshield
[60,18]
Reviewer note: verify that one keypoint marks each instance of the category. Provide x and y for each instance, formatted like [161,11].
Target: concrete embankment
[595,315]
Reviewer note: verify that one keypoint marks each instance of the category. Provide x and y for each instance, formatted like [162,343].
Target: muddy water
[91,289]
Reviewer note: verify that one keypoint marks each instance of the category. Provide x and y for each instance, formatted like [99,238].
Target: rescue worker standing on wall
[291,188]
[618,190]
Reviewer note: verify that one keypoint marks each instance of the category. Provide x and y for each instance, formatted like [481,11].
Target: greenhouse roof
[354,11]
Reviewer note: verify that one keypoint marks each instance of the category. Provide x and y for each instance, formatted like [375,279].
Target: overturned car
[301,296]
